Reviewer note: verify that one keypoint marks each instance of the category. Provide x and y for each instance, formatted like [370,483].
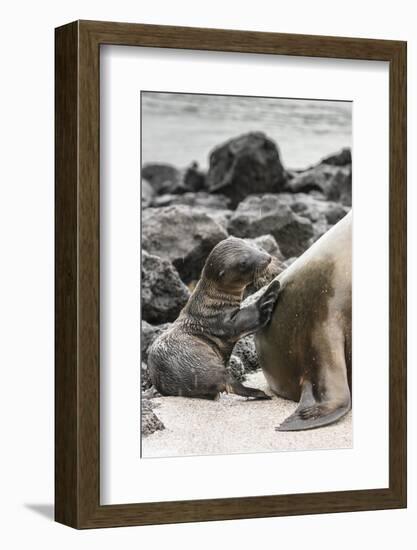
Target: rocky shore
[246,192]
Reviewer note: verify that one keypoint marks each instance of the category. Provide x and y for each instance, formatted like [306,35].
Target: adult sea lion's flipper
[312,413]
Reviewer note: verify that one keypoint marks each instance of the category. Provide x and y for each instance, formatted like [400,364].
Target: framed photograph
[230,274]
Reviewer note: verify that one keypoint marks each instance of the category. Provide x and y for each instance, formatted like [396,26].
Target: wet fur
[305,351]
[190,358]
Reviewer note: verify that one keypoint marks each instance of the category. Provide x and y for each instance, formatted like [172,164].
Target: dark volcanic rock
[215,206]
[147,193]
[245,350]
[149,334]
[194,179]
[200,199]
[236,368]
[222,217]
[145,379]
[150,422]
[163,178]
[181,234]
[335,182]
[247,164]
[339,159]
[335,212]
[322,213]
[313,208]
[163,292]
[267,214]
[267,243]
[340,188]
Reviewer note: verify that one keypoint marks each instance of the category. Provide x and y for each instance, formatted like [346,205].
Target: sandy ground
[233,424]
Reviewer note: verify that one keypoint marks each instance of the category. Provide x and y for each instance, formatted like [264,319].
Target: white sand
[233,424]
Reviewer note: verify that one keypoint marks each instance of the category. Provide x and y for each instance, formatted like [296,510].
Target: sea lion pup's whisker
[199,343]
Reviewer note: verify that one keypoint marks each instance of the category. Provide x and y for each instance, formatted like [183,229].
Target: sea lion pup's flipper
[312,413]
[233,386]
[247,320]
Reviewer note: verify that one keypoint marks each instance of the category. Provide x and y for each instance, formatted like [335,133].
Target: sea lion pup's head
[233,264]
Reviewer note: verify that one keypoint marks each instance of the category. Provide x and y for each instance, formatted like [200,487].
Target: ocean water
[181,128]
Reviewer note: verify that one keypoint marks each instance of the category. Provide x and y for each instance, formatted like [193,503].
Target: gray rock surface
[335,182]
[163,292]
[321,212]
[236,368]
[181,234]
[267,243]
[150,422]
[194,178]
[268,214]
[163,178]
[222,217]
[342,158]
[201,199]
[147,193]
[250,163]
[145,380]
[245,350]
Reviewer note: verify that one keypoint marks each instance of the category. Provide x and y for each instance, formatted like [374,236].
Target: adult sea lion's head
[233,264]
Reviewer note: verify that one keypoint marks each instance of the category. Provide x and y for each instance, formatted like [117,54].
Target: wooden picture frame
[77,372]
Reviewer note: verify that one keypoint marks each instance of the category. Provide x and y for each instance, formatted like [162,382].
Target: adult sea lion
[305,351]
[190,358]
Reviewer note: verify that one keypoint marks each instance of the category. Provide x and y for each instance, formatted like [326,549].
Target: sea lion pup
[305,351]
[190,358]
